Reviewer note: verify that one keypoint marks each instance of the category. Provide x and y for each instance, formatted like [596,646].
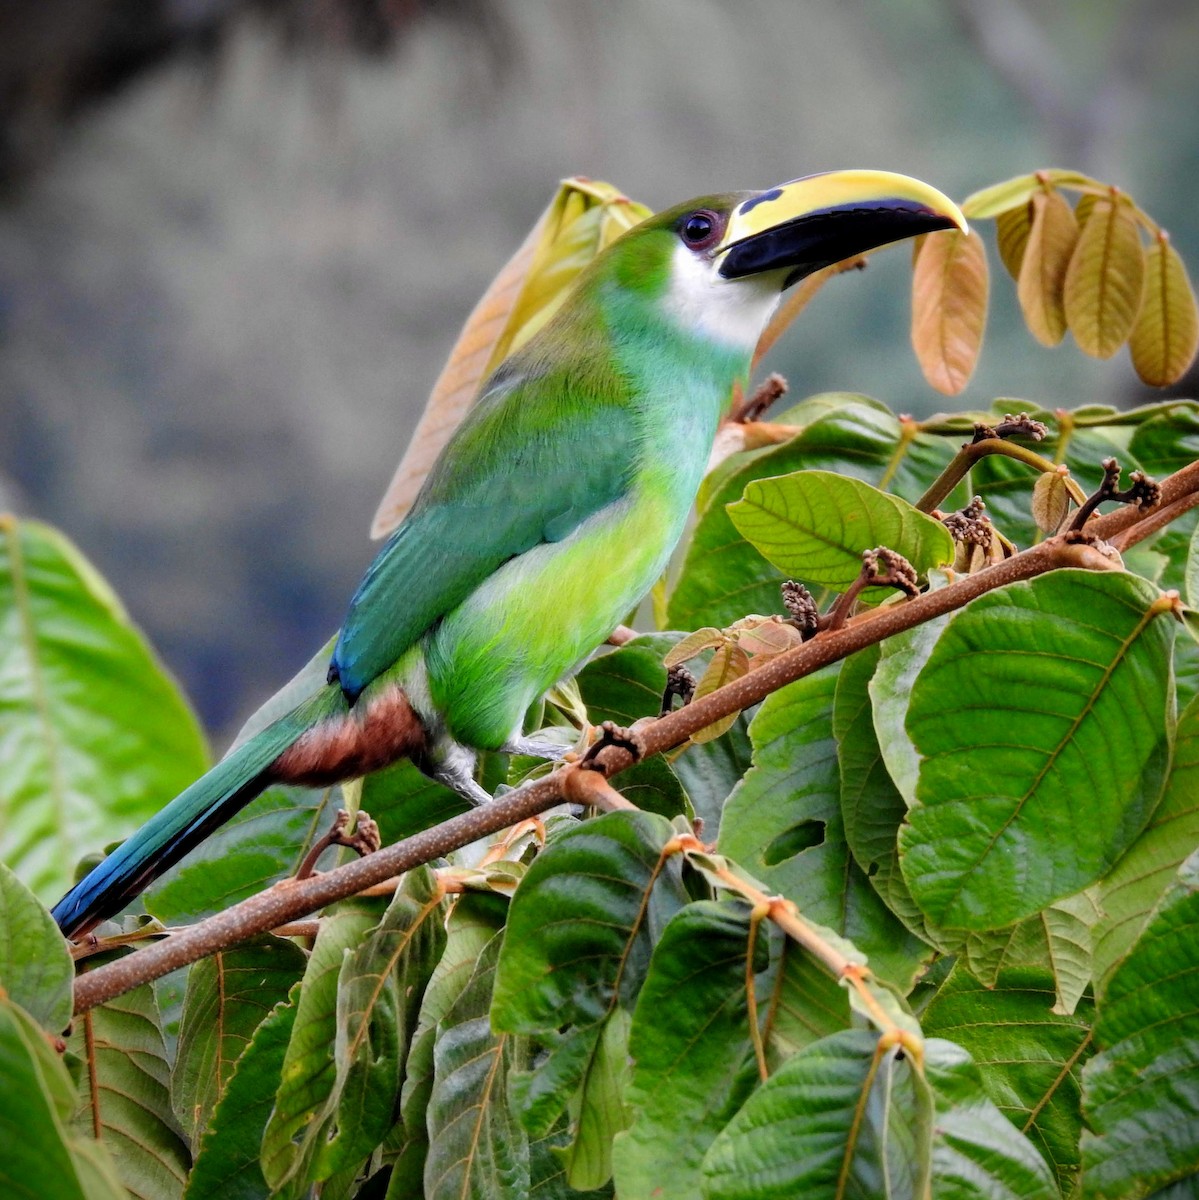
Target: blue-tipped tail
[171,833]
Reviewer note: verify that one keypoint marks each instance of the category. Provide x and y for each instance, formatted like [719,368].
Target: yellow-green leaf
[693,644]
[728,663]
[999,198]
[949,307]
[1166,335]
[583,218]
[1105,278]
[1011,232]
[1051,243]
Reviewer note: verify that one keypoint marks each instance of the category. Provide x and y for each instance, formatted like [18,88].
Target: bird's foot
[611,734]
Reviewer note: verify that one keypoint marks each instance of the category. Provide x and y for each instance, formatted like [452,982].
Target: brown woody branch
[291,900]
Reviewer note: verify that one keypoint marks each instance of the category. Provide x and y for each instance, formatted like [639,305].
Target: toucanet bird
[551,511]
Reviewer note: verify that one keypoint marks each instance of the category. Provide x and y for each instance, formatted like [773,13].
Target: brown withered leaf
[728,663]
[1166,334]
[1011,232]
[1050,501]
[949,307]
[583,217]
[1105,278]
[1051,243]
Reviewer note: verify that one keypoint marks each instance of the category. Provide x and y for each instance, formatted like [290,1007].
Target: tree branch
[291,899]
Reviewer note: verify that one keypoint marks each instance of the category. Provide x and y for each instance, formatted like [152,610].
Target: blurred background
[238,237]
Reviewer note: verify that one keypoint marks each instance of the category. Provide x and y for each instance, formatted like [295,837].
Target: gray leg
[535,749]
[454,766]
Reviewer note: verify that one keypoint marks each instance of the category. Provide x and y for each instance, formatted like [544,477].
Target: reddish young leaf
[949,307]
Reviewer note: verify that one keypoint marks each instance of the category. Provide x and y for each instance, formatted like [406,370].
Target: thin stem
[971,453]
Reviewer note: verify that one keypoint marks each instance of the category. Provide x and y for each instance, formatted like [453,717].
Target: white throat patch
[733,311]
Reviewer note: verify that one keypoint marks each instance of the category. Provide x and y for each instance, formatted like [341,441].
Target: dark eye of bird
[700,229]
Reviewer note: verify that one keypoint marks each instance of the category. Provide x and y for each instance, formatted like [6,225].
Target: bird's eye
[700,229]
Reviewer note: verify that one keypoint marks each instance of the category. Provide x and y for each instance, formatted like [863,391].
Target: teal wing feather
[544,449]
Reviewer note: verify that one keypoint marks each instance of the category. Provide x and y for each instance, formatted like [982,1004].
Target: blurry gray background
[238,238]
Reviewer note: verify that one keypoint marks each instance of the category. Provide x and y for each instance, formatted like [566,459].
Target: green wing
[542,451]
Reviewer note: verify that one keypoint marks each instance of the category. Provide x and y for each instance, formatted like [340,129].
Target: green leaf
[97,736]
[379,990]
[843,1117]
[783,825]
[723,576]
[602,1111]
[293,1132]
[36,970]
[228,996]
[577,944]
[693,1055]
[126,1086]
[1141,1092]
[1046,707]
[872,807]
[473,921]
[477,1149]
[1132,888]
[977,1154]
[1028,1058]
[227,1166]
[814,525]
[35,1102]
[583,921]
[901,660]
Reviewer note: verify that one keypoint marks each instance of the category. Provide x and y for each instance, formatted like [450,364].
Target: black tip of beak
[818,239]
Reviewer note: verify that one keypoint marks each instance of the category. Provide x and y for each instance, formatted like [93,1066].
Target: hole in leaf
[793,841]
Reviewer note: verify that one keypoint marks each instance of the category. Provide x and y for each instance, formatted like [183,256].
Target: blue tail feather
[171,833]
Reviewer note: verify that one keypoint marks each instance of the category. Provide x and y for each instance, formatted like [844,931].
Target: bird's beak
[819,220]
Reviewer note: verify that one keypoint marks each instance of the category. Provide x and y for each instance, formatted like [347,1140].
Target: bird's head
[718,264]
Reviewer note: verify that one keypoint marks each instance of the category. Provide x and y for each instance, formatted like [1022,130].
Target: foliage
[934,933]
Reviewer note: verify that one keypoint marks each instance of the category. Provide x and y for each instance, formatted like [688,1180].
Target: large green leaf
[977,1154]
[814,525]
[36,971]
[473,921]
[723,577]
[228,996]
[379,990]
[783,825]
[126,1092]
[477,1149]
[38,1152]
[577,944]
[1044,717]
[1141,1092]
[1134,885]
[293,1133]
[96,737]
[1028,1058]
[843,1117]
[681,1096]
[227,1166]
